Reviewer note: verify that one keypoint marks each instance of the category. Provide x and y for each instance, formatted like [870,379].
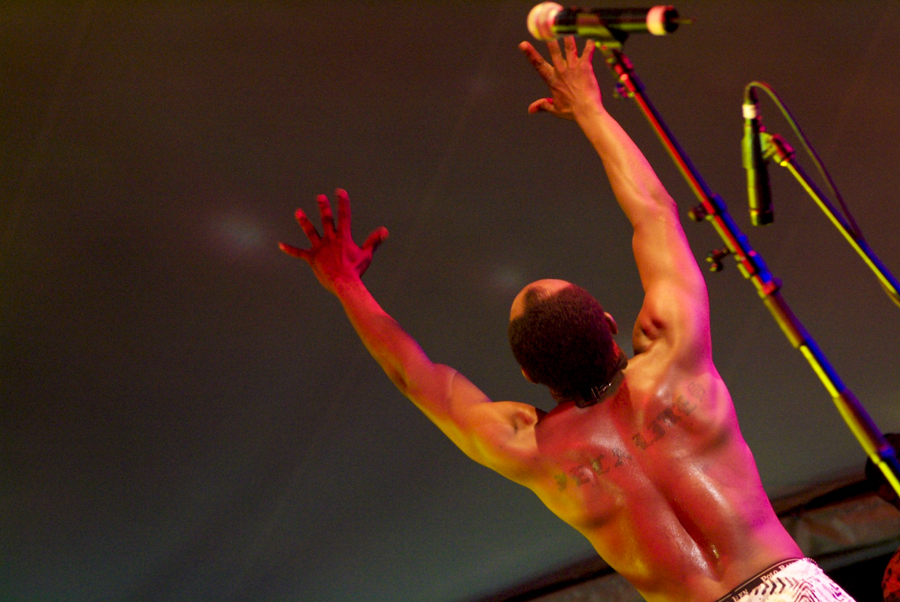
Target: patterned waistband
[740,591]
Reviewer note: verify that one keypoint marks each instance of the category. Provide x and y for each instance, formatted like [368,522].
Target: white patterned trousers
[789,581]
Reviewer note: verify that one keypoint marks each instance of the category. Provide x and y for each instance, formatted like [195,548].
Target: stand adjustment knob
[698,213]
[715,257]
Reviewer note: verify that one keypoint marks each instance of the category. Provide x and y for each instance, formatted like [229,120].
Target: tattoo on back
[655,430]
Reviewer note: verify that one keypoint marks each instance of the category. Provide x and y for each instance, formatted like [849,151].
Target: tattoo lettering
[596,465]
[657,429]
[582,474]
[684,405]
[640,441]
[560,481]
[621,455]
[668,418]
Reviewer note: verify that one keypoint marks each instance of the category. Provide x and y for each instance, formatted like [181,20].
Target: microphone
[548,21]
[759,194]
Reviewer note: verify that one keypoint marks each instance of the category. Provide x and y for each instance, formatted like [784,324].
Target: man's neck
[600,392]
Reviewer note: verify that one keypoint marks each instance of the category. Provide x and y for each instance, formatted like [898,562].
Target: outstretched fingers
[556,54]
[307,226]
[294,251]
[542,104]
[343,224]
[543,68]
[545,71]
[587,54]
[311,233]
[326,213]
[375,239]
[571,50]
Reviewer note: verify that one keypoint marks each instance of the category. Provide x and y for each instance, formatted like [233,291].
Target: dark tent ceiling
[186,415]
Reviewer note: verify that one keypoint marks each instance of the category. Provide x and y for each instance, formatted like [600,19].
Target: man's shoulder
[662,359]
[506,438]
[661,384]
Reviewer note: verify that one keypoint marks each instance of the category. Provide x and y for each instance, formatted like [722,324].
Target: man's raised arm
[675,305]
[485,431]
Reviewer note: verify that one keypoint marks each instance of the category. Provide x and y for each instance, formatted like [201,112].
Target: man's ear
[528,376]
[613,327]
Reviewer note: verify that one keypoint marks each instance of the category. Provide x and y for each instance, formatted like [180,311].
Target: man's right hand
[334,256]
[573,85]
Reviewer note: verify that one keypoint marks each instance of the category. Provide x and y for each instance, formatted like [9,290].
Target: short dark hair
[562,340]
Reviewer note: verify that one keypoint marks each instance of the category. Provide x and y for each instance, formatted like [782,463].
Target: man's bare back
[660,481]
[646,461]
[657,476]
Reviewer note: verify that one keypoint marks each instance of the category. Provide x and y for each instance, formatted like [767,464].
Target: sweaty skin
[656,476]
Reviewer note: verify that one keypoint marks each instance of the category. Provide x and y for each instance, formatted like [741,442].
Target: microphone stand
[774,146]
[712,208]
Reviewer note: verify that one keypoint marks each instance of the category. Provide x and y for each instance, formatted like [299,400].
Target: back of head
[562,340]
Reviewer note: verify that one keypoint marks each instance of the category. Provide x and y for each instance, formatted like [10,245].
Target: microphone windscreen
[540,20]
[657,20]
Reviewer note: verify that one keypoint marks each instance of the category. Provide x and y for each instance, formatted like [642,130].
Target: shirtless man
[643,456]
